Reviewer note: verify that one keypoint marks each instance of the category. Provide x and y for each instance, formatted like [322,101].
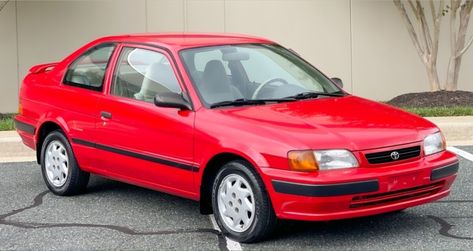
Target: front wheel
[59,167]
[241,204]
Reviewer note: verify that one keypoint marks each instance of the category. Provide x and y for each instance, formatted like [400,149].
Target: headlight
[335,159]
[434,143]
[309,161]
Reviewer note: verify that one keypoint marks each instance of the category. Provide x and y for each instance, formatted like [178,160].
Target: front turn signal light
[303,161]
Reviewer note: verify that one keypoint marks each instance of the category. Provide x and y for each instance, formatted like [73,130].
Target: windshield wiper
[278,100]
[238,102]
[241,102]
[308,95]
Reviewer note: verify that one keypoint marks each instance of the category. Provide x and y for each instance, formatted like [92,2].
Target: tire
[229,204]
[60,171]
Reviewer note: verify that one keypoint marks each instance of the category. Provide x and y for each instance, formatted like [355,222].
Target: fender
[51,117]
[59,121]
[252,156]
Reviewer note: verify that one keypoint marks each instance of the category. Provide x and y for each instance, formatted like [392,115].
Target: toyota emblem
[394,155]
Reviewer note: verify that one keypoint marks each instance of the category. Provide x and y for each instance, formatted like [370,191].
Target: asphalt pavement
[114,215]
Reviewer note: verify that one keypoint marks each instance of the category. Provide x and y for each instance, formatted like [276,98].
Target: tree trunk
[458,44]
[433,76]
[425,42]
[453,72]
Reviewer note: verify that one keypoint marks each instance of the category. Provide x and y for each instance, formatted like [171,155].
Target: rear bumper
[27,132]
[362,192]
[24,127]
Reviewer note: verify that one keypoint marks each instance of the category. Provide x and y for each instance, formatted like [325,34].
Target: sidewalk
[13,150]
[457,130]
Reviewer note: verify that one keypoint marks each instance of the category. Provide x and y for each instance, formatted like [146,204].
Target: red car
[241,124]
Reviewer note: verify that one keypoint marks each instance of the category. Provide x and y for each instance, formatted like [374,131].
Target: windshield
[252,72]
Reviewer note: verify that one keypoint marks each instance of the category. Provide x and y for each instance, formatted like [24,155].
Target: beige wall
[49,31]
[385,62]
[8,58]
[362,41]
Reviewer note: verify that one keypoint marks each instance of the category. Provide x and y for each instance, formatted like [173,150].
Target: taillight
[20,108]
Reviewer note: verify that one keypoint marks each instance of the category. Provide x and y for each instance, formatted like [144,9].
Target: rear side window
[88,70]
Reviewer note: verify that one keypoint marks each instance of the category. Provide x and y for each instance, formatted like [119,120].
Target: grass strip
[441,111]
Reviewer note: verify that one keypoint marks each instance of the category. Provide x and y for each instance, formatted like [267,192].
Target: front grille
[383,157]
[396,196]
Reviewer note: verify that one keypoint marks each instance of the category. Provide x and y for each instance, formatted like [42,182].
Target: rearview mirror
[338,82]
[171,100]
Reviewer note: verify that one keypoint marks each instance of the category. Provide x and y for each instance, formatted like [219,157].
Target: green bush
[6,122]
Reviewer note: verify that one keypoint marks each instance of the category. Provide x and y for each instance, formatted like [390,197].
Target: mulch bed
[433,99]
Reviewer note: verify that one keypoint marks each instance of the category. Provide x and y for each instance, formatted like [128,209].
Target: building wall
[362,41]
[385,62]
[8,58]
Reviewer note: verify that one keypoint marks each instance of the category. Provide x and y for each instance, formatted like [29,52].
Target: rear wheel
[59,167]
[241,204]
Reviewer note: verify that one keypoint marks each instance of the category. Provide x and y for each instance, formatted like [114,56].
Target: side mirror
[171,100]
[338,82]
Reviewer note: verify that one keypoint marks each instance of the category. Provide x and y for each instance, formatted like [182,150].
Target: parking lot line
[461,153]
[231,244]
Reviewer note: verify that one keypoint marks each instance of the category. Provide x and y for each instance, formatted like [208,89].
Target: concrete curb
[457,130]
[13,150]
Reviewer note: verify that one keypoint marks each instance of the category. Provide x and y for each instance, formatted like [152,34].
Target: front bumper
[360,192]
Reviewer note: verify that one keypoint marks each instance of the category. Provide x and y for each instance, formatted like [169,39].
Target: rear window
[88,71]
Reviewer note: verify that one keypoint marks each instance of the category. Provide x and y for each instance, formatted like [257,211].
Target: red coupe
[241,124]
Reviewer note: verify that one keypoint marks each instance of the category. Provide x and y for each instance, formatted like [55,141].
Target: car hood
[346,122]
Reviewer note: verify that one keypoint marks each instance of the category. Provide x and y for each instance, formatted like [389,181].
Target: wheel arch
[46,127]
[209,173]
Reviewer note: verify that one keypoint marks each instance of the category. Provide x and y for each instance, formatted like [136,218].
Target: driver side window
[141,74]
[88,71]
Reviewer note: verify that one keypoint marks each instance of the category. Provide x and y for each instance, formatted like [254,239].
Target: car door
[76,99]
[137,141]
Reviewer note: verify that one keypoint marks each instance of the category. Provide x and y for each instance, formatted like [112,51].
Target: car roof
[186,40]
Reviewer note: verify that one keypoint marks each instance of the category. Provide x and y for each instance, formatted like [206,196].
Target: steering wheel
[267,82]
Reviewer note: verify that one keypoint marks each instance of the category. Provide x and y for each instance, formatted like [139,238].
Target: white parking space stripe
[231,244]
[461,153]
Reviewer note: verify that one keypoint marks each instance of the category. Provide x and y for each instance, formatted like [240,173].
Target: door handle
[106,115]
